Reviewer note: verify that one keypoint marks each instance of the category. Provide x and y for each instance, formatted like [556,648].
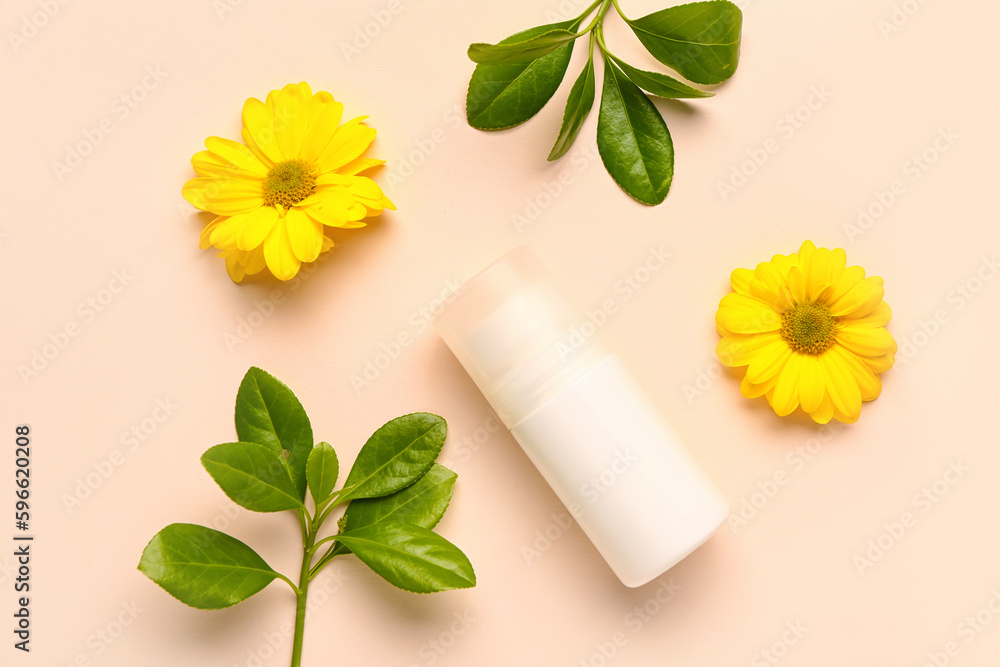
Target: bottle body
[621,471]
[581,418]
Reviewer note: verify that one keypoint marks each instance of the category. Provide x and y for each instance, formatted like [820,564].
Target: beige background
[172,328]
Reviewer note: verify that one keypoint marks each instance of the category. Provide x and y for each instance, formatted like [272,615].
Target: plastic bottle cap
[518,334]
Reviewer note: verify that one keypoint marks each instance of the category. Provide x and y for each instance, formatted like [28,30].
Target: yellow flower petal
[878,317]
[797,285]
[252,147]
[860,299]
[740,280]
[278,254]
[350,141]
[306,90]
[223,196]
[850,276]
[812,382]
[737,350]
[866,341]
[337,203]
[842,387]
[785,398]
[227,232]
[208,164]
[847,418]
[752,390]
[768,284]
[259,130]
[359,165]
[253,260]
[879,364]
[205,241]
[376,208]
[868,382]
[805,253]
[240,264]
[783,264]
[330,217]
[325,215]
[236,154]
[360,187]
[744,314]
[324,118]
[824,413]
[768,362]
[289,119]
[332,178]
[822,270]
[304,234]
[255,227]
[357,196]
[234,268]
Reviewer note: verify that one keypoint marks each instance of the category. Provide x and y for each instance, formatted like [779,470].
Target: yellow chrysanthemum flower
[295,173]
[810,331]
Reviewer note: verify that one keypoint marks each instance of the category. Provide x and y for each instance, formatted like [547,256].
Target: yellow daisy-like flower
[810,331]
[296,172]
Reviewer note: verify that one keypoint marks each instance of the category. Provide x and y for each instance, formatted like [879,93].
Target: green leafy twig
[517,76]
[395,490]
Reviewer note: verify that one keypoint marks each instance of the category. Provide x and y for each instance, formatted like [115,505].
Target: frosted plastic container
[581,418]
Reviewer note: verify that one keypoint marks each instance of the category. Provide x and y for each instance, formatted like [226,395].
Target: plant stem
[588,10]
[321,516]
[605,5]
[620,12]
[324,509]
[300,596]
[334,550]
[304,522]
[599,33]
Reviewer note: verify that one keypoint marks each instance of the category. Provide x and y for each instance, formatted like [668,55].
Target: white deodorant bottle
[581,418]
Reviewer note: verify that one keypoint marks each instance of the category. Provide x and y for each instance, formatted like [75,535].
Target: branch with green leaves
[516,77]
[395,495]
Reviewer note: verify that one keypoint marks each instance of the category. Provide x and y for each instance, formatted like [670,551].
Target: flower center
[288,183]
[808,328]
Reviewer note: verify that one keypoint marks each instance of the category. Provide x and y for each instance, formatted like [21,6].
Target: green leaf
[396,455]
[700,40]
[422,503]
[410,557]
[521,51]
[268,413]
[502,96]
[660,84]
[253,476]
[322,470]
[578,105]
[633,140]
[204,568]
